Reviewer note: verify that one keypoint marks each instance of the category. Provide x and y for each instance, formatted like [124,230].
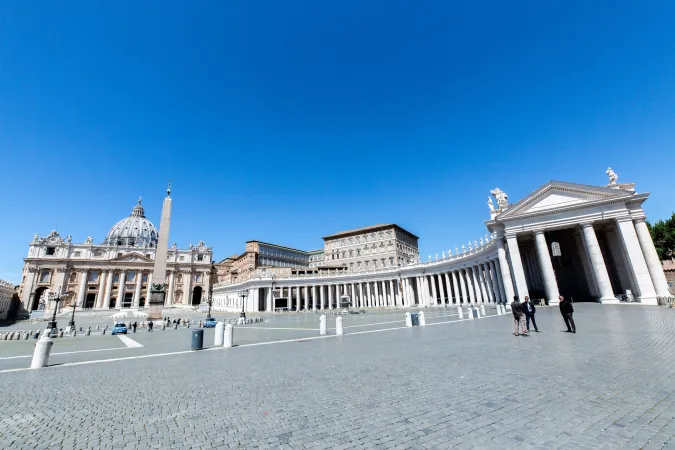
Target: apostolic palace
[587,242]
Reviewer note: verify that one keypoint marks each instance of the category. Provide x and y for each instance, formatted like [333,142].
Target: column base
[609,301]
[554,302]
[652,301]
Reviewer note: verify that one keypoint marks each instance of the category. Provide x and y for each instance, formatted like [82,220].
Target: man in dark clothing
[150,324]
[518,317]
[529,310]
[566,309]
[133,326]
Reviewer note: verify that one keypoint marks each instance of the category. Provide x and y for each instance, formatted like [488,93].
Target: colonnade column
[550,283]
[637,262]
[170,291]
[108,290]
[270,299]
[137,292]
[459,278]
[652,258]
[504,272]
[476,284]
[481,282]
[441,289]
[492,296]
[469,285]
[330,296]
[321,297]
[455,288]
[394,301]
[306,293]
[432,280]
[82,288]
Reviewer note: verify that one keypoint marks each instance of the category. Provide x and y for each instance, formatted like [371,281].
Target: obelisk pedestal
[158,288]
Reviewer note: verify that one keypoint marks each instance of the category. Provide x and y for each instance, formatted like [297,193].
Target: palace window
[44,276]
[93,277]
[50,251]
[200,257]
[77,254]
[116,278]
[198,277]
[131,277]
[73,277]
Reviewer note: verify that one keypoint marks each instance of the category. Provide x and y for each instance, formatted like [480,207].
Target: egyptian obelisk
[158,289]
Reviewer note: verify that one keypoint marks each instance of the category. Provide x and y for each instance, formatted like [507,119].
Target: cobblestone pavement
[466,384]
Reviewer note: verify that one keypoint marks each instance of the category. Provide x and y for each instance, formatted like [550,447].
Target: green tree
[663,235]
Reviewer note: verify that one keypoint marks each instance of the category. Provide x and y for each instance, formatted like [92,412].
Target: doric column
[434,296]
[636,261]
[458,279]
[314,297]
[108,289]
[306,293]
[496,285]
[330,297]
[170,291]
[378,301]
[550,283]
[455,288]
[268,301]
[28,289]
[504,273]
[394,301]
[137,292]
[652,258]
[448,287]
[492,297]
[441,289]
[517,264]
[84,273]
[469,288]
[120,289]
[481,282]
[101,289]
[321,297]
[476,284]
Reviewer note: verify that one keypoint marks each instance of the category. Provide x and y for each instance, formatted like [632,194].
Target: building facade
[6,298]
[580,241]
[115,274]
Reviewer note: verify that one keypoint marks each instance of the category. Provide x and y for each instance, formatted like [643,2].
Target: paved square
[460,384]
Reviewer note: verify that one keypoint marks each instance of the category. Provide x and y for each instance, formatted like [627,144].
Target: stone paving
[467,384]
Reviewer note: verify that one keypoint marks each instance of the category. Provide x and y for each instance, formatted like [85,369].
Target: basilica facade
[586,242]
[115,274]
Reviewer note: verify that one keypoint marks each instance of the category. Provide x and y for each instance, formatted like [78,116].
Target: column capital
[623,219]
[640,219]
[539,232]
[586,224]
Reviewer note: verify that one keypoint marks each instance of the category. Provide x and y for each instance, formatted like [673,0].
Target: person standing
[133,326]
[566,309]
[529,310]
[518,317]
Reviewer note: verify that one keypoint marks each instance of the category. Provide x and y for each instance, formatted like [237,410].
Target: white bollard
[422,319]
[322,325]
[475,308]
[408,320]
[25,338]
[74,332]
[41,353]
[220,335]
[229,336]
[499,310]
[338,326]
[469,312]
[507,307]
[482,309]
[503,309]
[88,333]
[460,313]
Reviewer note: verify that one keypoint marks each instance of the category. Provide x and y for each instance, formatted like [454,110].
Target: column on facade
[455,287]
[476,284]
[147,294]
[468,279]
[82,291]
[652,258]
[120,289]
[108,289]
[187,287]
[392,288]
[434,296]
[504,273]
[28,289]
[517,265]
[170,289]
[550,283]
[101,289]
[481,281]
[268,300]
[441,288]
[636,261]
[306,294]
[137,293]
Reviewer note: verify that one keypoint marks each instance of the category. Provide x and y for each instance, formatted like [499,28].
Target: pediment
[556,195]
[132,257]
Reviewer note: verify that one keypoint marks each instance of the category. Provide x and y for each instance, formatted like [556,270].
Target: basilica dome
[134,230]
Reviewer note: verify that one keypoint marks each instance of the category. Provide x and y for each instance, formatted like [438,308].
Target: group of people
[523,314]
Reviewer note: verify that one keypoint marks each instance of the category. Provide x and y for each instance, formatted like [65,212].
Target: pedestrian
[133,326]
[529,310]
[150,325]
[518,317]
[566,309]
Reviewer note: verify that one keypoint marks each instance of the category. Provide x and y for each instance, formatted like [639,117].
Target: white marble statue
[481,242]
[429,258]
[612,176]
[173,245]
[490,204]
[475,244]
[89,240]
[36,237]
[69,238]
[443,254]
[464,249]
[502,198]
[456,251]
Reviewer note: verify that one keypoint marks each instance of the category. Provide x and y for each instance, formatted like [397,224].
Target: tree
[663,235]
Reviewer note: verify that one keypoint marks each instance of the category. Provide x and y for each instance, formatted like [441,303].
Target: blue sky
[288,121]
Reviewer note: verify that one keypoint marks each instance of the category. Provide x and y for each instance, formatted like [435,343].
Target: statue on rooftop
[612,176]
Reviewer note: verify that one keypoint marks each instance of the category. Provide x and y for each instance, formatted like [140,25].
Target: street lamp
[71,324]
[243,294]
[56,297]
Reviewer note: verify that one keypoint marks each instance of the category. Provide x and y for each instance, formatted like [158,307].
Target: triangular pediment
[132,257]
[557,195]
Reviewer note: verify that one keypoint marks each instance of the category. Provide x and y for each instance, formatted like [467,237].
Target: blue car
[119,328]
[210,322]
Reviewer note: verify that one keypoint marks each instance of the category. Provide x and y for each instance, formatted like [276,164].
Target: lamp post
[243,294]
[71,324]
[56,297]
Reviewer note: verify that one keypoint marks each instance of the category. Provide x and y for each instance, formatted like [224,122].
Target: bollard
[229,336]
[507,307]
[200,324]
[103,331]
[460,313]
[98,327]
[26,336]
[408,320]
[476,311]
[338,327]
[188,324]
[60,333]
[197,340]
[423,320]
[175,326]
[41,353]
[74,333]
[80,329]
[36,335]
[220,334]
[469,312]
[163,326]
[482,309]
[88,332]
[322,324]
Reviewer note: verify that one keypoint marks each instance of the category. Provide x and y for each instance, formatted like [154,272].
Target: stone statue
[456,251]
[89,240]
[36,237]
[486,238]
[463,249]
[69,239]
[481,242]
[436,256]
[502,198]
[490,204]
[173,245]
[475,244]
[443,254]
[612,176]
[429,258]
[470,247]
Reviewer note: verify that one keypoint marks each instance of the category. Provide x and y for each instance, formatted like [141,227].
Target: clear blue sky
[287,121]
